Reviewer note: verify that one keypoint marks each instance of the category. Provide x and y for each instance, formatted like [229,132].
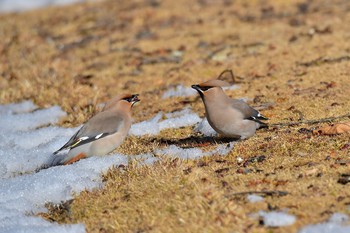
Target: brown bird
[102,133]
[229,117]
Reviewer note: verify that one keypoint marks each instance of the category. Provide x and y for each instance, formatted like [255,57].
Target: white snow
[179,119]
[148,127]
[176,119]
[25,106]
[33,120]
[336,223]
[204,128]
[30,192]
[276,218]
[23,148]
[338,218]
[254,198]
[24,5]
[27,224]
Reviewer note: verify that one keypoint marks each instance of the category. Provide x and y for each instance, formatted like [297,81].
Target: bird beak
[197,88]
[135,99]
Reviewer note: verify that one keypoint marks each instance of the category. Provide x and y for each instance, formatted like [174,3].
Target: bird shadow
[195,141]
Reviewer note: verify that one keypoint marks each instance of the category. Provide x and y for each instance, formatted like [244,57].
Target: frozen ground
[27,140]
[23,5]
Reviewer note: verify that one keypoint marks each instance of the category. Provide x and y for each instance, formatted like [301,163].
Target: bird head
[131,99]
[207,87]
[124,101]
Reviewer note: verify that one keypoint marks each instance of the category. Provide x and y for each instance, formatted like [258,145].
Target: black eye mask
[205,88]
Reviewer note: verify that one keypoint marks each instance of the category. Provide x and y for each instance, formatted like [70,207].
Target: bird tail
[63,159]
[52,161]
[64,147]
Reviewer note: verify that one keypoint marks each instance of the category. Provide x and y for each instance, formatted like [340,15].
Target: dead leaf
[338,128]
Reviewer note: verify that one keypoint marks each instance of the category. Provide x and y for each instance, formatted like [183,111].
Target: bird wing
[248,112]
[99,126]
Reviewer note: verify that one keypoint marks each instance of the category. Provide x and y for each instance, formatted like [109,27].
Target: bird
[231,118]
[102,133]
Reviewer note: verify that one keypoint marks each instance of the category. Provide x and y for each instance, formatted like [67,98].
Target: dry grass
[81,55]
[189,196]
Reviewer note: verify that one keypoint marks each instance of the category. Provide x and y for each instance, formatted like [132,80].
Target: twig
[310,122]
[266,193]
[226,72]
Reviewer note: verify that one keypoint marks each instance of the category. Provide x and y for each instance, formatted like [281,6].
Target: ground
[290,58]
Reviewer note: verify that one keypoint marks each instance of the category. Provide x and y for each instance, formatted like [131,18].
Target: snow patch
[24,5]
[23,148]
[338,218]
[276,219]
[25,106]
[204,128]
[336,223]
[254,198]
[32,120]
[176,119]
